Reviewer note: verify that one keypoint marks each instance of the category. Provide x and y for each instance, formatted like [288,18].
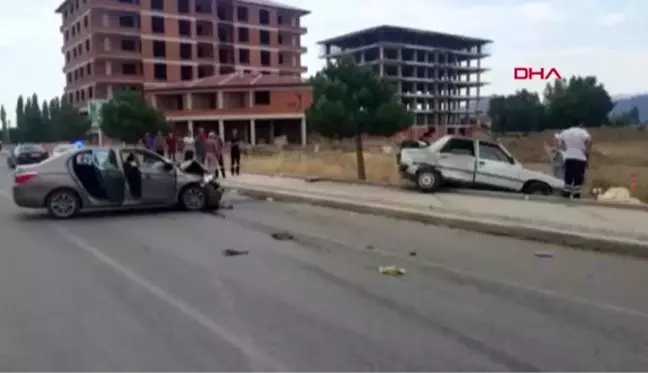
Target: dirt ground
[617,154]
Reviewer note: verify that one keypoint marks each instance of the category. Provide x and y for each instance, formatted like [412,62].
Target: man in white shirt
[575,143]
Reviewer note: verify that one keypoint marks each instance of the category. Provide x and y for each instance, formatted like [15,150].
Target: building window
[129,69]
[87,45]
[242,14]
[281,59]
[127,21]
[265,58]
[244,56]
[89,69]
[184,27]
[157,24]
[69,78]
[262,98]
[264,17]
[186,51]
[264,37]
[183,6]
[159,49]
[128,45]
[90,92]
[160,71]
[157,4]
[243,35]
[85,22]
[186,72]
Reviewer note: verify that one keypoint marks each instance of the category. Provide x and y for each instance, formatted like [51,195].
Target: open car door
[110,176]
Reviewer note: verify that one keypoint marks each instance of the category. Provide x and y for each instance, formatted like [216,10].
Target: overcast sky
[601,37]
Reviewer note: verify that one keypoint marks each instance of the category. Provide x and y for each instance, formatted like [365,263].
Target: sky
[579,37]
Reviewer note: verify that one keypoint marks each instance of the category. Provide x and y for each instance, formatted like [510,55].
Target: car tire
[428,180]
[193,198]
[537,188]
[63,204]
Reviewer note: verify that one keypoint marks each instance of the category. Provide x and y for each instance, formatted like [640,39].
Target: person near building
[199,145]
[214,150]
[235,153]
[188,146]
[160,143]
[575,144]
[171,145]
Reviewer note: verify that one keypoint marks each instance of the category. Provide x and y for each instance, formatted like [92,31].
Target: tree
[66,123]
[5,125]
[20,111]
[519,112]
[577,100]
[349,101]
[128,117]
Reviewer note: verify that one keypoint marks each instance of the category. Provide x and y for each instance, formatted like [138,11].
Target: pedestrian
[149,141]
[171,145]
[159,143]
[188,146]
[214,150]
[235,153]
[199,144]
[575,143]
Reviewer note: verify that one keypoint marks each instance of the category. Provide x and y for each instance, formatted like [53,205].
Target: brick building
[163,46]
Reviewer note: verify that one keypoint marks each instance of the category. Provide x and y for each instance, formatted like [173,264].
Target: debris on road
[282,236]
[232,252]
[391,271]
[269,199]
[544,254]
[412,253]
[370,247]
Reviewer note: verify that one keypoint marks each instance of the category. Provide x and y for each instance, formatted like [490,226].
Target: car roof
[449,137]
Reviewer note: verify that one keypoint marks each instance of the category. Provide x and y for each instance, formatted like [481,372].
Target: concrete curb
[470,192]
[566,238]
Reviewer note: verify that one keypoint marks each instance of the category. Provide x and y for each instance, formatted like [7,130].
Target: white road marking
[259,361]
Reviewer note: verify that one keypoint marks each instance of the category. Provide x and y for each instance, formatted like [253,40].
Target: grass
[617,154]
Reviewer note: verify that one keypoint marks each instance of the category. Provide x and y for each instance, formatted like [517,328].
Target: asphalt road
[153,292]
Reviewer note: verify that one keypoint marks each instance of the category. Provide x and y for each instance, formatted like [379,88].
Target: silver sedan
[113,178]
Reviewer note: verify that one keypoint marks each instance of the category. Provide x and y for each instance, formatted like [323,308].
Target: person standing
[214,148]
[199,144]
[160,143]
[171,145]
[235,153]
[149,141]
[188,146]
[575,143]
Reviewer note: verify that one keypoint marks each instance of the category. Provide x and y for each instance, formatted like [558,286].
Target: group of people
[571,156]
[205,147]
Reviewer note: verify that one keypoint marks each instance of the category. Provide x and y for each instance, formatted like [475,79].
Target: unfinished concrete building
[438,76]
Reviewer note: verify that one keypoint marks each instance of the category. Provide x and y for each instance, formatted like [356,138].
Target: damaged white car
[459,161]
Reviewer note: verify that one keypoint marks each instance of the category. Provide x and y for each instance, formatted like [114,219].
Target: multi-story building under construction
[437,76]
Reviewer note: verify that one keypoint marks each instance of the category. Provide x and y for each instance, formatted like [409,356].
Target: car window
[143,159]
[105,159]
[459,146]
[493,153]
[30,148]
[84,158]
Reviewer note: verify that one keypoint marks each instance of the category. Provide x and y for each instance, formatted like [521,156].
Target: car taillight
[24,177]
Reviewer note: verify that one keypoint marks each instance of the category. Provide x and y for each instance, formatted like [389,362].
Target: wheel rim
[194,199]
[426,180]
[63,204]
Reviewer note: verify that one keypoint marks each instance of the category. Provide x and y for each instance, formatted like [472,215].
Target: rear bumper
[26,198]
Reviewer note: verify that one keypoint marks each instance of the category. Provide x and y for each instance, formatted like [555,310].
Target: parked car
[63,148]
[24,154]
[113,178]
[460,161]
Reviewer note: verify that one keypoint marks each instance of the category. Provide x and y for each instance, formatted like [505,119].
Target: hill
[623,105]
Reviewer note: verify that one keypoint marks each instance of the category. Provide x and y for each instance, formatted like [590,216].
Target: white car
[461,161]
[63,148]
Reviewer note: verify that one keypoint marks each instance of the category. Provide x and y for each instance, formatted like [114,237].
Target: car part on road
[232,252]
[282,236]
[391,271]
[63,204]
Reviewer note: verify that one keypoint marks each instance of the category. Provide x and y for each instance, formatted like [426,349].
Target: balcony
[134,5]
[117,23]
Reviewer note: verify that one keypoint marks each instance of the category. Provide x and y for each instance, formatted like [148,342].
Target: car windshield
[23,148]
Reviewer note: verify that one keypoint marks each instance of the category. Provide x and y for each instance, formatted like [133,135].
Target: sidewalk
[590,221]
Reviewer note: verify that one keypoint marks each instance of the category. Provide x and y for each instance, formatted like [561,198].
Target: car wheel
[537,188]
[63,204]
[193,198]
[428,180]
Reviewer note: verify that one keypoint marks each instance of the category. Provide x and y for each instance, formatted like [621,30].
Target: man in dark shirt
[199,143]
[235,153]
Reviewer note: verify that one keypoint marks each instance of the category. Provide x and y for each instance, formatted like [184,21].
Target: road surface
[154,292]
